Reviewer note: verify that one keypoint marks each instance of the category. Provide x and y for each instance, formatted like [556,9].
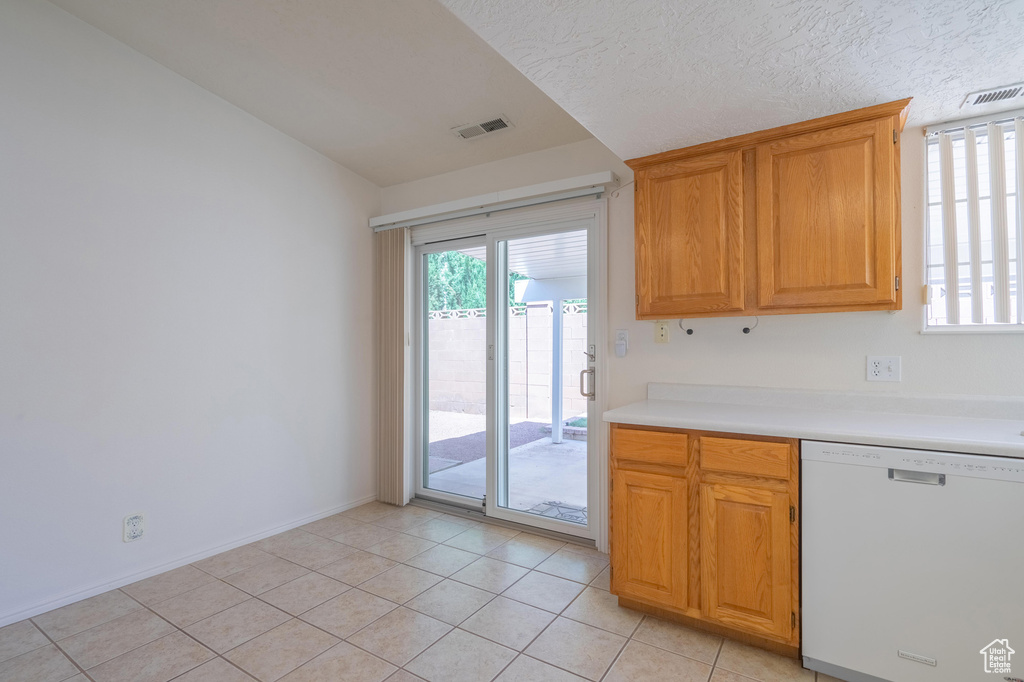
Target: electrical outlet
[883,368]
[621,343]
[661,332]
[134,527]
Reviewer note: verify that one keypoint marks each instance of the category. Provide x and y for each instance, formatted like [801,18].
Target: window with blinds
[975,232]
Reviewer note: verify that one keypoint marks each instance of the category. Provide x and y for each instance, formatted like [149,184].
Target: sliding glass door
[506,357]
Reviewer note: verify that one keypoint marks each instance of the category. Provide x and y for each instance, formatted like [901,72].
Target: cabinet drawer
[752,457]
[654,447]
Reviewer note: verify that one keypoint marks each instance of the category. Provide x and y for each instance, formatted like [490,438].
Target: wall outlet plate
[134,527]
[884,368]
[661,332]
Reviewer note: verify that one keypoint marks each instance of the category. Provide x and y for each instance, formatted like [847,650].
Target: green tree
[456,281]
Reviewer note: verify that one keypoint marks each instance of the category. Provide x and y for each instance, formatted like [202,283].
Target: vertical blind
[391,247]
[975,249]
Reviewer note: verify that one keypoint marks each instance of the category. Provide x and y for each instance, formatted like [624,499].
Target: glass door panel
[543,417]
[454,376]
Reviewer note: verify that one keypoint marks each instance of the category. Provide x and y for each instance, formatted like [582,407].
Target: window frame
[1016,326]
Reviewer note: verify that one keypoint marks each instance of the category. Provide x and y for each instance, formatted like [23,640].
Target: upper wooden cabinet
[689,236]
[803,218]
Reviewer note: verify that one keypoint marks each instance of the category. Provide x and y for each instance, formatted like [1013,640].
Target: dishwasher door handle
[925,477]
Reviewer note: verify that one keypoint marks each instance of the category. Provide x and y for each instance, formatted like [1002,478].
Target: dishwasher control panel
[925,461]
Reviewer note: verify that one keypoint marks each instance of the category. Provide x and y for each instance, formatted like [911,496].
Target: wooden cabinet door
[745,558]
[826,221]
[649,537]
[689,236]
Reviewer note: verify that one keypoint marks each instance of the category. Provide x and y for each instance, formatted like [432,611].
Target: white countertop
[926,423]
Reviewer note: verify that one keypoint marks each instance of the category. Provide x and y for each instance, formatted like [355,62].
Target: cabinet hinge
[792,619]
[897,282]
[895,135]
[792,514]
[638,300]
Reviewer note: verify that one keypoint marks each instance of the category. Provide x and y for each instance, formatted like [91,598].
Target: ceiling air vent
[468,132]
[1000,94]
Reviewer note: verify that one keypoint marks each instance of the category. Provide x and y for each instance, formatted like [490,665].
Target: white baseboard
[99,588]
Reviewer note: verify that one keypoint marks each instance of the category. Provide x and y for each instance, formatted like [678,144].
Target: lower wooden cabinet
[650,537]
[705,526]
[745,558]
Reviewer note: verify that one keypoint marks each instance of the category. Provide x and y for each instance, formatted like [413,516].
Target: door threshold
[480,517]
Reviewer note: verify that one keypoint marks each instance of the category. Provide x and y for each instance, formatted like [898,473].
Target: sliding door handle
[589,395]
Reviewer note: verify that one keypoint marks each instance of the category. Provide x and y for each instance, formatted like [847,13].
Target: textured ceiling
[373,84]
[645,76]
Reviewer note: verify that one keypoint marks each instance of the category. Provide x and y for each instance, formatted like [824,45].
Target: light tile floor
[378,593]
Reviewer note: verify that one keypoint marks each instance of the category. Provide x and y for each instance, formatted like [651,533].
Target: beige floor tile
[406,517]
[342,663]
[166,585]
[316,554]
[508,622]
[232,561]
[500,530]
[401,547]
[200,603]
[464,521]
[522,553]
[479,540]
[20,638]
[576,647]
[304,593]
[760,665]
[722,675]
[436,530]
[490,574]
[77,678]
[104,642]
[45,664]
[266,576]
[587,551]
[822,677]
[158,661]
[363,536]
[461,657]
[443,560]
[574,566]
[349,612]
[296,537]
[450,601]
[526,669]
[239,624]
[641,662]
[331,526]
[702,646]
[217,670]
[401,583]
[403,676]
[400,636]
[544,591]
[74,618]
[603,579]
[370,512]
[357,568]
[601,609]
[274,654]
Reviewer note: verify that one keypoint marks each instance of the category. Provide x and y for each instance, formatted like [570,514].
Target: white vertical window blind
[975,248]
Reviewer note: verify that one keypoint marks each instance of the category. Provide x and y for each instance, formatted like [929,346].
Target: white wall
[821,351]
[185,318]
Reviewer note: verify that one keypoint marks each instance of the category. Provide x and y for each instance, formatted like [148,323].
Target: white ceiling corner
[372,84]
[646,76]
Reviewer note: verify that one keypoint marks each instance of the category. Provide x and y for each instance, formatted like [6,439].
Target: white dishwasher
[912,564]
